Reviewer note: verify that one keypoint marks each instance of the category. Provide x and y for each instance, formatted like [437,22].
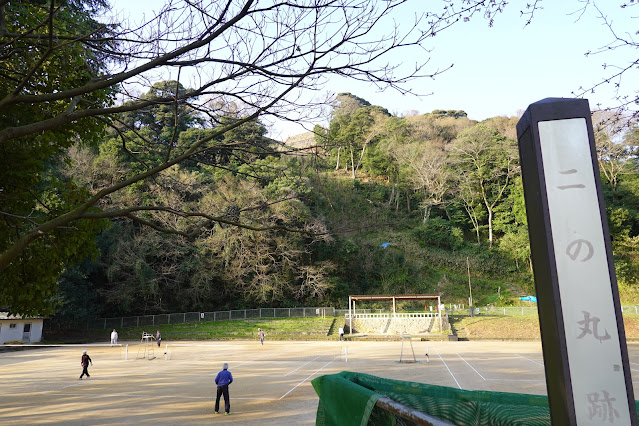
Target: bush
[438,232]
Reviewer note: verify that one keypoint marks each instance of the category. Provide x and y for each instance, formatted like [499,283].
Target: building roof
[394,296]
[7,316]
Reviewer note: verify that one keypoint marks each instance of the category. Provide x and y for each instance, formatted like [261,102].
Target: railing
[523,310]
[506,310]
[181,318]
[393,315]
[633,309]
[342,312]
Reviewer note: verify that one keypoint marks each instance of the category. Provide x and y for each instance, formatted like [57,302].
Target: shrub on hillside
[438,232]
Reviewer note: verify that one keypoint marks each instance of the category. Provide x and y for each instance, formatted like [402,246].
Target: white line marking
[531,360]
[471,367]
[253,360]
[303,365]
[127,372]
[295,387]
[117,395]
[65,345]
[205,346]
[256,399]
[516,380]
[446,365]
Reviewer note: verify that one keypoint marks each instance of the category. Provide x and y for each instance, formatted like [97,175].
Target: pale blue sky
[500,70]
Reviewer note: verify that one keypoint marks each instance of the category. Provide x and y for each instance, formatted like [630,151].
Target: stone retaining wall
[422,325]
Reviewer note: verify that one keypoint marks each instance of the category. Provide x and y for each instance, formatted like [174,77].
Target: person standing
[261,333]
[158,337]
[341,334]
[84,362]
[114,337]
[223,379]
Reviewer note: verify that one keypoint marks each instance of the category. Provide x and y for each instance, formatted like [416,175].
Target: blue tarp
[384,245]
[529,298]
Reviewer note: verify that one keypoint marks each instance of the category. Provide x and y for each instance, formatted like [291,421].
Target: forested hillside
[136,175]
[443,191]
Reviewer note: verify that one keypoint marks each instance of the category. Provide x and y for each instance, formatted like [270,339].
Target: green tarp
[343,401]
[349,398]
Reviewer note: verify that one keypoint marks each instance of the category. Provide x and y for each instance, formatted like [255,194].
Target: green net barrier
[349,398]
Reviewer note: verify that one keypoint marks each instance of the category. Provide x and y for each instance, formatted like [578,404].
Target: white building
[14,328]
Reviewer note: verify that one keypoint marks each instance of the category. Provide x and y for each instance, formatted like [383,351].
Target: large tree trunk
[474,221]
[361,156]
[490,228]
[353,171]
[392,195]
[427,209]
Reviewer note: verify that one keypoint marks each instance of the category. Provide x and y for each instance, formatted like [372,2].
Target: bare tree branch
[260,55]
[129,212]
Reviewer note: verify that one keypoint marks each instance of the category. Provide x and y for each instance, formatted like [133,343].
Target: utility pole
[470,287]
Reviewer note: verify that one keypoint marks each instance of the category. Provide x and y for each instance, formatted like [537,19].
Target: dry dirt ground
[272,382]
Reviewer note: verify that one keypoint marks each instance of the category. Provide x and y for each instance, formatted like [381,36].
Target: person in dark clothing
[223,379]
[158,337]
[84,362]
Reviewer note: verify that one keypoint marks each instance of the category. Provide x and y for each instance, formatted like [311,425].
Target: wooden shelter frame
[394,297]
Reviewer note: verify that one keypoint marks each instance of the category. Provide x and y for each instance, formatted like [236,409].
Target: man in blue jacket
[223,379]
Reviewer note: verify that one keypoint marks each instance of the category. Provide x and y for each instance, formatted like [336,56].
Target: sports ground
[271,382]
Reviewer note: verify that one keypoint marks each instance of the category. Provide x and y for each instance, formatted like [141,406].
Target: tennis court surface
[271,382]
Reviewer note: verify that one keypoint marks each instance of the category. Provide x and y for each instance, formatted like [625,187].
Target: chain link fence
[516,310]
[187,317]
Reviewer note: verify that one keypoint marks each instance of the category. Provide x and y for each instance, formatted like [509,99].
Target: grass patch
[631,326]
[496,327]
[275,329]
[517,327]
[471,328]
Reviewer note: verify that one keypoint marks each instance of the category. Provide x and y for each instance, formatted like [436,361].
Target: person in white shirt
[114,337]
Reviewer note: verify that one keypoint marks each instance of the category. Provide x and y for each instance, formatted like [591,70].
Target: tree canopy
[68,77]
[110,130]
